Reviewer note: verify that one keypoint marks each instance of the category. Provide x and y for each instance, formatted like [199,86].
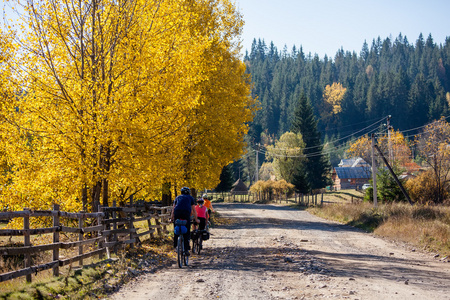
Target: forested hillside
[409,81]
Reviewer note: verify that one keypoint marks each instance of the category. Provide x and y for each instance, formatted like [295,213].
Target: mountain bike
[180,229]
[197,239]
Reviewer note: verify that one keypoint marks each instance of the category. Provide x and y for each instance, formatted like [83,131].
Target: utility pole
[374,173]
[248,167]
[389,127]
[257,165]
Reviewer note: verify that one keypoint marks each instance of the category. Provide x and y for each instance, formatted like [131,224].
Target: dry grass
[44,282]
[97,278]
[427,227]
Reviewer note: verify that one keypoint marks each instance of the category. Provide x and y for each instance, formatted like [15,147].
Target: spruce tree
[226,179]
[316,167]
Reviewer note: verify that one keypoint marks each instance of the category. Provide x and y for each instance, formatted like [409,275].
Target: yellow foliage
[277,187]
[287,155]
[119,97]
[423,188]
[399,146]
[333,95]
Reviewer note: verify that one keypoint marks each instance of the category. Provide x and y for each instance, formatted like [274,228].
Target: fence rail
[302,199]
[114,227]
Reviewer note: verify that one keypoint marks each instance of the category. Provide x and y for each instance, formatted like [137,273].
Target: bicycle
[197,239]
[180,229]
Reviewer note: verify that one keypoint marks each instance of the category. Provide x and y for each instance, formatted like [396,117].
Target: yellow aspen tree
[106,86]
[110,91]
[216,127]
[433,146]
[399,146]
[331,105]
[333,95]
[287,155]
[8,92]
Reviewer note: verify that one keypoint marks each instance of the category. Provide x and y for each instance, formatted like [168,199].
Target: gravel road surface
[276,252]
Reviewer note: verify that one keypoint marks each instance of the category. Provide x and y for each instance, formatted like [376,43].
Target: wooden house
[350,177]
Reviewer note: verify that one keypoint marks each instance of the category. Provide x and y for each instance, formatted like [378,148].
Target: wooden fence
[112,227]
[302,199]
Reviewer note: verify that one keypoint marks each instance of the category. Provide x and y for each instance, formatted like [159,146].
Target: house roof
[239,186]
[359,162]
[347,162]
[353,172]
[353,162]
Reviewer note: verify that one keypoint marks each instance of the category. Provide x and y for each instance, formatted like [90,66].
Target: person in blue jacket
[183,208]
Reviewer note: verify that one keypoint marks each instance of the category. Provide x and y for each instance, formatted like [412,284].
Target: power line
[339,147]
[340,139]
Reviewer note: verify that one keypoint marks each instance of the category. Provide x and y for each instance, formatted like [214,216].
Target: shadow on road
[292,259]
[249,222]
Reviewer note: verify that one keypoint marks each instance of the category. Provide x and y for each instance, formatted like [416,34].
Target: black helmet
[200,200]
[185,190]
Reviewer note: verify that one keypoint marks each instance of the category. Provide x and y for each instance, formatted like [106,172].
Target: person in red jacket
[202,214]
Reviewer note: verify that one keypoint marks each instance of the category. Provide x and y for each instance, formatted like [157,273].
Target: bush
[423,189]
[269,188]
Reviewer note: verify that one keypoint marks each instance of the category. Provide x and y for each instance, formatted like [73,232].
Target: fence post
[114,216]
[99,233]
[130,226]
[26,240]
[158,225]
[107,226]
[56,239]
[80,237]
[149,223]
[321,200]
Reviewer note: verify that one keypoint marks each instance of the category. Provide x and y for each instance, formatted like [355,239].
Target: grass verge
[426,227]
[96,280]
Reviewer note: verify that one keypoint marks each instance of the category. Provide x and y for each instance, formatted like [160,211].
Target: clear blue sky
[323,27]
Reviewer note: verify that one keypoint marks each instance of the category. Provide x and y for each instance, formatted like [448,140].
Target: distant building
[351,177]
[239,187]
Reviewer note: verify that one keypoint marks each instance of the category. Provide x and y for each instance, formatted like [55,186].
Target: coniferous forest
[408,80]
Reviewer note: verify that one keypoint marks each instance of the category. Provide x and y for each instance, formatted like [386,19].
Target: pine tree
[317,166]
[226,179]
[300,181]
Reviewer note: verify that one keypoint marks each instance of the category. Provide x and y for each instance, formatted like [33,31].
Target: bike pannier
[205,235]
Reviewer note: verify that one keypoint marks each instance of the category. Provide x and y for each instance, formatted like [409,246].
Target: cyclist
[183,208]
[208,204]
[202,213]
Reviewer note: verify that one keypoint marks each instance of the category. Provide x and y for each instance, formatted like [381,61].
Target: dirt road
[275,252]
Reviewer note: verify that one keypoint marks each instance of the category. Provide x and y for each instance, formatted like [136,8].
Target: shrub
[423,189]
[270,187]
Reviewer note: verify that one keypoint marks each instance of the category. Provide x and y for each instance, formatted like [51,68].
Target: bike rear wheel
[180,251]
[194,245]
[200,244]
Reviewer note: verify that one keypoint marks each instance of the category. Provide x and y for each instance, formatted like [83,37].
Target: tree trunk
[96,189]
[105,197]
[84,197]
[166,194]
